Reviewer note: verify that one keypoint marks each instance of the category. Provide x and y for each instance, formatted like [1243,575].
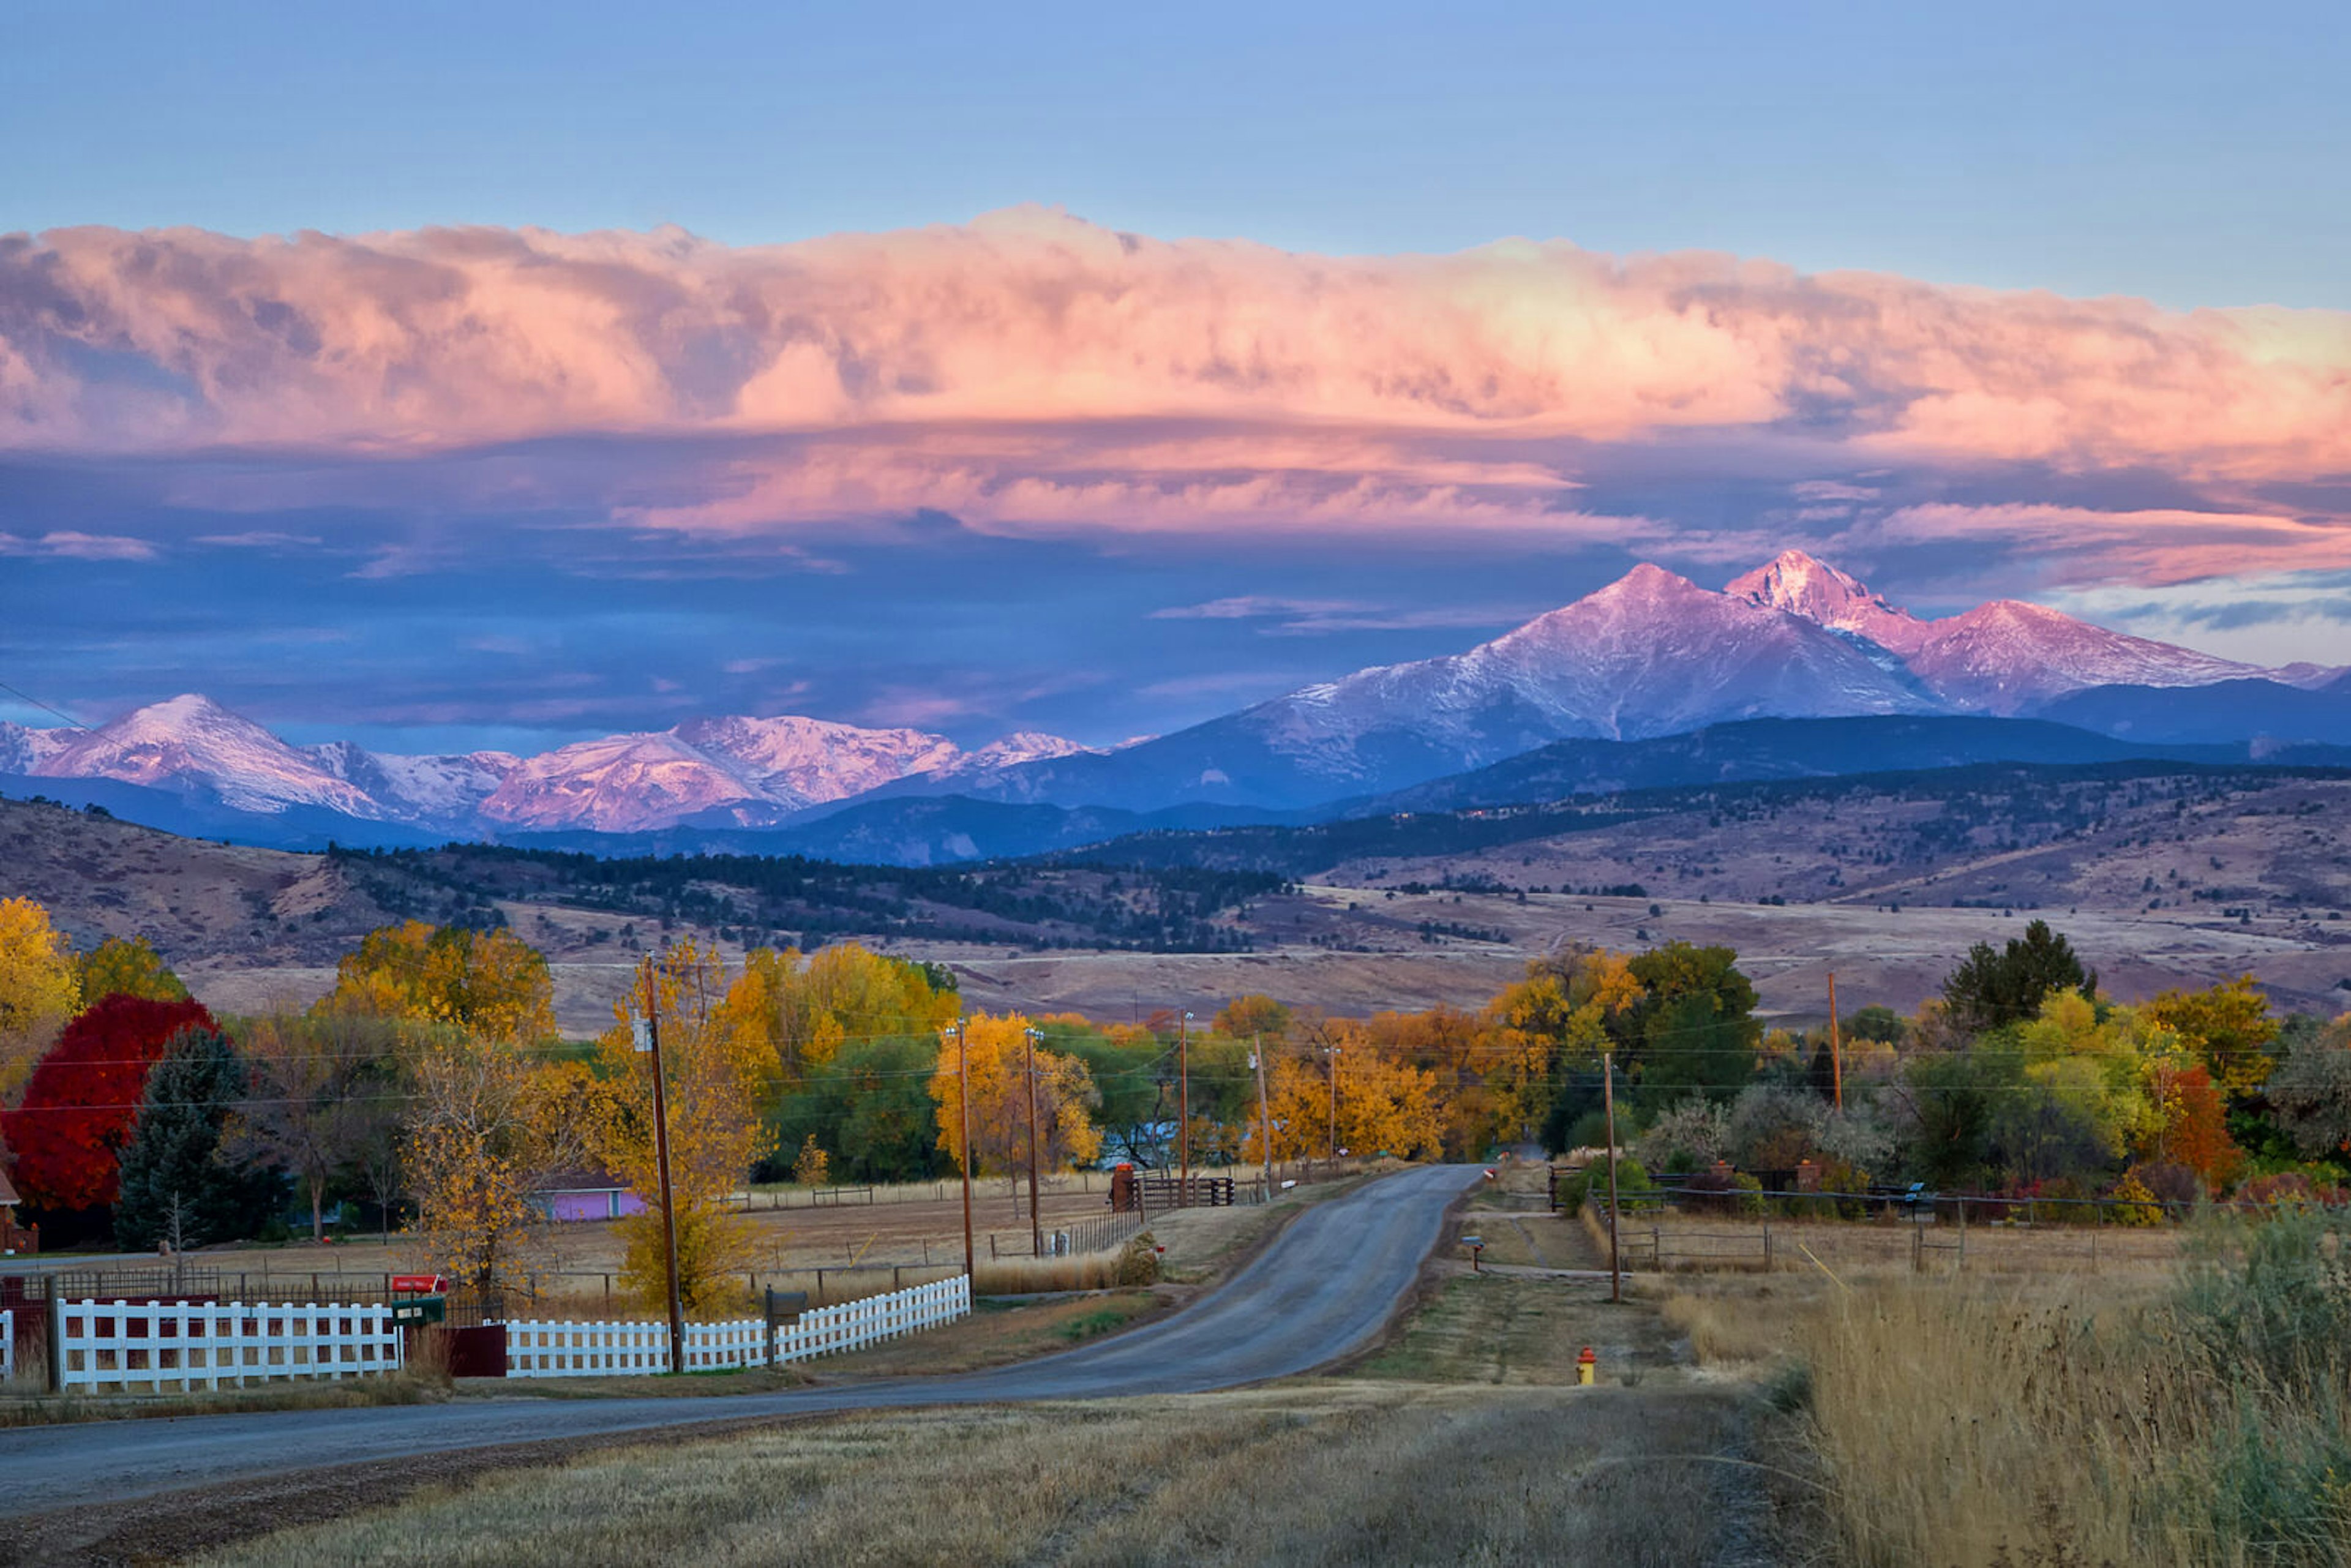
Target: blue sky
[419,552]
[2189,154]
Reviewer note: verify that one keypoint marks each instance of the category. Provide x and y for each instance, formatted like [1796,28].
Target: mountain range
[1651,656]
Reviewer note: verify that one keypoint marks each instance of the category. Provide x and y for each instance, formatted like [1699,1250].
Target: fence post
[56,1336]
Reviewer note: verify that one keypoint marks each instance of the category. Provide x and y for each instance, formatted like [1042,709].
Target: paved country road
[1324,1288]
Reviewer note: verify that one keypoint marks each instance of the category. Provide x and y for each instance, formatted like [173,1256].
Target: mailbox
[413,1312]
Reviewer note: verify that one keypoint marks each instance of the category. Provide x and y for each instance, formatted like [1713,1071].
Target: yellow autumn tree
[1298,1095]
[2227,1026]
[1386,1106]
[490,984]
[803,1007]
[41,989]
[713,1063]
[1066,1135]
[487,1128]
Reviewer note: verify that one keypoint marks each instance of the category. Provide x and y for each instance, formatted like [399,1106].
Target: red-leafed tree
[84,1094]
[2194,1126]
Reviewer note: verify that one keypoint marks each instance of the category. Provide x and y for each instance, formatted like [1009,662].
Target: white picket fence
[154,1347]
[544,1349]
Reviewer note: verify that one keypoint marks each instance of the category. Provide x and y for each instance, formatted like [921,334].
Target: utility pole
[1183,1105]
[1264,1111]
[1036,1226]
[1333,1052]
[661,1157]
[1836,1045]
[1608,1098]
[962,1106]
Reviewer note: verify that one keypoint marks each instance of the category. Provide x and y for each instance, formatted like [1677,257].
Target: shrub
[1772,1127]
[2135,1204]
[1592,1181]
[1686,1136]
[2172,1183]
[1138,1263]
[1724,1192]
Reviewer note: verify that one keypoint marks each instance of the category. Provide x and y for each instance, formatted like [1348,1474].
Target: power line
[54,713]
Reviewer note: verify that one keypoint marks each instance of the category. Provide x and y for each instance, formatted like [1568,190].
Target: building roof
[588,1179]
[7,1193]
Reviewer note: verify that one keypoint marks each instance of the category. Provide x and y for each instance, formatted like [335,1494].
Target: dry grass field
[1328,1473]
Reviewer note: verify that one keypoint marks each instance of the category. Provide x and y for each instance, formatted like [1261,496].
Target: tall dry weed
[2049,1425]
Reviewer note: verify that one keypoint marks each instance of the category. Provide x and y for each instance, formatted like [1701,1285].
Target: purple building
[586,1195]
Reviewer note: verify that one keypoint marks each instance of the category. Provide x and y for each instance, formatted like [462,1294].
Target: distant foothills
[1793,670]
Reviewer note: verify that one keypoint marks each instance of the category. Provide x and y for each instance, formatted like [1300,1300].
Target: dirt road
[1322,1290]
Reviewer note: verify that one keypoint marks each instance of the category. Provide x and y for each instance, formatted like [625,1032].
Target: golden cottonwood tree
[491,984]
[1066,1135]
[804,1006]
[713,1060]
[41,989]
[487,1129]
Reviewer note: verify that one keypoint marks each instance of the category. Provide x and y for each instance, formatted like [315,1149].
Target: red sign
[420,1285]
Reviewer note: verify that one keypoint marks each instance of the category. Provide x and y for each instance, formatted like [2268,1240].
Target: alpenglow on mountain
[1651,654]
[735,772]
[1655,655]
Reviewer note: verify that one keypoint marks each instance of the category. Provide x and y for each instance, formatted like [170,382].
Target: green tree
[871,1107]
[1694,1027]
[118,969]
[2311,1092]
[182,1178]
[326,1091]
[1954,1098]
[1991,988]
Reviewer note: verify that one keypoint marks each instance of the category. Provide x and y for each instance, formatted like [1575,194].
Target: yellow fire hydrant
[1587,1367]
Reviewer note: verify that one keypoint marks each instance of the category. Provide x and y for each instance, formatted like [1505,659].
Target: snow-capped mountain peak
[1800,585]
[191,740]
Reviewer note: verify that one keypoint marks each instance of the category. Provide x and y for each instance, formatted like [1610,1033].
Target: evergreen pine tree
[174,1159]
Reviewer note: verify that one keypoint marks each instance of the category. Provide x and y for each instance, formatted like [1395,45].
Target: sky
[445,376]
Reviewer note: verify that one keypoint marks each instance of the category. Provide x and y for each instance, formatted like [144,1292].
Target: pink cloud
[1031,372]
[66,544]
[2157,547]
[456,337]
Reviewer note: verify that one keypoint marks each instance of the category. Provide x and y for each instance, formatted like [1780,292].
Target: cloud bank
[1031,374]
[116,340]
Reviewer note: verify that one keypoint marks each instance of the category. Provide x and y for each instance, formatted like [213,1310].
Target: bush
[2174,1186]
[1138,1263]
[1724,1192]
[1773,1128]
[2136,1205]
[1592,1181]
[1686,1136]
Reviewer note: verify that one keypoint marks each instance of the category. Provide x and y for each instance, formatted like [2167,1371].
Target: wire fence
[1709,1227]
